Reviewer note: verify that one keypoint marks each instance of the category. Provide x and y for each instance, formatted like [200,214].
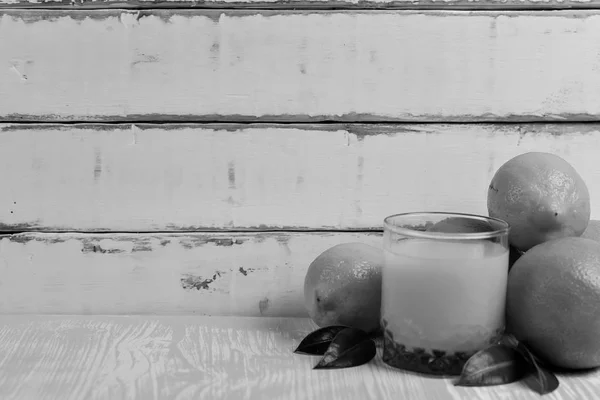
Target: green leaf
[496,365]
[350,347]
[509,340]
[317,342]
[543,380]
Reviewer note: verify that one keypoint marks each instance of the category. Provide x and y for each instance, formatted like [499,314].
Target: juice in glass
[443,294]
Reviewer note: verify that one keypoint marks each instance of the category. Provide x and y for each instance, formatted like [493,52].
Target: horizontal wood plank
[259,274]
[141,358]
[249,65]
[309,4]
[190,177]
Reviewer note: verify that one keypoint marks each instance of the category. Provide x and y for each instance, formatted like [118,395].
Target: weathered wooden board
[259,274]
[205,358]
[182,177]
[308,4]
[250,65]
[130,358]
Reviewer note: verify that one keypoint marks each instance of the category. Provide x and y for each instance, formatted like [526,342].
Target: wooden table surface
[190,357]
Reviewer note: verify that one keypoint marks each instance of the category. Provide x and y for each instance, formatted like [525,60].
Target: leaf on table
[317,342]
[350,347]
[543,380]
[509,340]
[495,365]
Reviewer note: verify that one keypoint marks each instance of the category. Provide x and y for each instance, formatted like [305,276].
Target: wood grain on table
[212,358]
[190,177]
[299,65]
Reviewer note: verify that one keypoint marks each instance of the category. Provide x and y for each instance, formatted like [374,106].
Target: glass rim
[387,225]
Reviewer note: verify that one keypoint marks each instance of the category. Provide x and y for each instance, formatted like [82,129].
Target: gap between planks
[191,232]
[300,122]
[309,120]
[324,5]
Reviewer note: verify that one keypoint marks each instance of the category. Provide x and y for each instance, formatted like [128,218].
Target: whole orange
[553,301]
[541,196]
[343,286]
[592,231]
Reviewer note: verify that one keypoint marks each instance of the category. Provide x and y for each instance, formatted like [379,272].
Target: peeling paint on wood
[198,177]
[133,17]
[68,273]
[244,271]
[497,70]
[197,282]
[307,4]
[20,227]
[263,305]
[95,248]
[297,118]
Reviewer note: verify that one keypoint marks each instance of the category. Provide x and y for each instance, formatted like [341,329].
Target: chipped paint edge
[306,4]
[300,118]
[358,128]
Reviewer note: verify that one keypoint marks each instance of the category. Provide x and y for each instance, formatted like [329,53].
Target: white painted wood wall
[195,157]
[290,65]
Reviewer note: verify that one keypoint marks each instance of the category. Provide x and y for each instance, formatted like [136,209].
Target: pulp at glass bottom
[431,362]
[419,360]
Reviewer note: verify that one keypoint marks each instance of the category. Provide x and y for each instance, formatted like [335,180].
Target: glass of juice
[443,289]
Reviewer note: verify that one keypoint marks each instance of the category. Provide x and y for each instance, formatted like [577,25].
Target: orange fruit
[553,300]
[343,286]
[592,231]
[461,225]
[541,196]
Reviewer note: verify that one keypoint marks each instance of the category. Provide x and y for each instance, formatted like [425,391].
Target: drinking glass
[443,294]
